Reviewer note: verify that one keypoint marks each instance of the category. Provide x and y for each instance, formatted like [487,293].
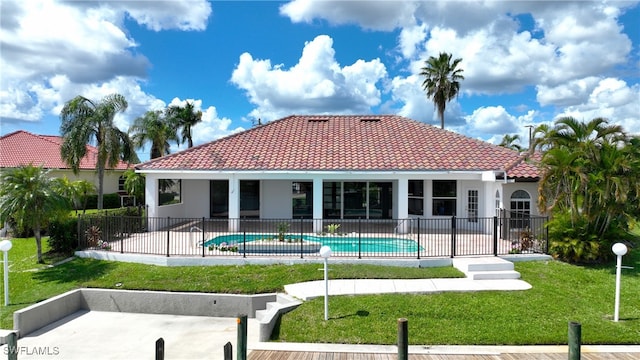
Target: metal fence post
[168,233]
[453,236]
[203,238]
[244,244]
[495,236]
[359,238]
[418,220]
[546,240]
[301,237]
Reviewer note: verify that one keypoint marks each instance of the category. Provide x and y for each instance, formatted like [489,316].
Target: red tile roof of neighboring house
[23,148]
[341,143]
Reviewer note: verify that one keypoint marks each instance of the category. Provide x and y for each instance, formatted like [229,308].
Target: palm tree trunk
[36,232]
[100,185]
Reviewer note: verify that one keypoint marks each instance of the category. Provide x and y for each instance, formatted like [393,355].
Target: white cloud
[492,119]
[316,84]
[612,99]
[53,51]
[377,15]
[410,38]
[164,15]
[570,93]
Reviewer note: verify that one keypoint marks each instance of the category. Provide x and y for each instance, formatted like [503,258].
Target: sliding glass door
[357,200]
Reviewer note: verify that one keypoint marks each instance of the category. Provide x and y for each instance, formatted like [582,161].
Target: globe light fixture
[325,253]
[619,249]
[5,246]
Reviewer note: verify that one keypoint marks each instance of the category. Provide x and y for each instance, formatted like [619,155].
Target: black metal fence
[406,238]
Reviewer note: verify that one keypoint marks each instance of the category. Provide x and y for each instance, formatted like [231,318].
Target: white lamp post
[619,249]
[325,252]
[5,246]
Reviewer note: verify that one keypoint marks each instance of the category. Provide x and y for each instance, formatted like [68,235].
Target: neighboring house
[341,167]
[23,148]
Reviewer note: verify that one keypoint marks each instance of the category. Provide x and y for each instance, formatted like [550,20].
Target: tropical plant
[185,117]
[85,121]
[134,184]
[333,228]
[76,192]
[589,174]
[282,228]
[442,81]
[511,142]
[154,127]
[83,190]
[28,196]
[93,235]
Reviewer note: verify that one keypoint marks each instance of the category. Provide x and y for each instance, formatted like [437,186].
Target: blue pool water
[336,243]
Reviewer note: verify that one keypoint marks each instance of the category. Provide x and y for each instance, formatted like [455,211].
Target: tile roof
[23,148]
[526,167]
[340,143]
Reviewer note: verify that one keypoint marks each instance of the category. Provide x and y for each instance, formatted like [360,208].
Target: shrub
[63,235]
[577,242]
[109,201]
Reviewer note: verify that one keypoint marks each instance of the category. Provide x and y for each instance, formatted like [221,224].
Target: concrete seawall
[41,314]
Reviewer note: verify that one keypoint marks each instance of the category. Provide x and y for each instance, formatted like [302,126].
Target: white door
[471,206]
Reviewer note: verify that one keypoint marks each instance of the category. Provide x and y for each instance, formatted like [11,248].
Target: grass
[561,293]
[28,287]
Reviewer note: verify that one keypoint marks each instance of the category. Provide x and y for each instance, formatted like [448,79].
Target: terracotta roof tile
[335,143]
[23,148]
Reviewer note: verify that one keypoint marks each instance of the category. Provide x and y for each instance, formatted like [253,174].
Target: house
[23,148]
[341,167]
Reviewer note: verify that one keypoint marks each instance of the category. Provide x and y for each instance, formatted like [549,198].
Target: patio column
[317,205]
[234,204]
[151,198]
[403,205]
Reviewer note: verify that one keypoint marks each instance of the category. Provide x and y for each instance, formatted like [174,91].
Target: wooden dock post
[403,339]
[575,334]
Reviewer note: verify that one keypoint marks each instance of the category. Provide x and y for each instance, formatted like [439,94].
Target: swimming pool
[336,243]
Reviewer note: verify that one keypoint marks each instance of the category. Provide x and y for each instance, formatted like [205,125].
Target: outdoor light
[5,246]
[619,249]
[325,252]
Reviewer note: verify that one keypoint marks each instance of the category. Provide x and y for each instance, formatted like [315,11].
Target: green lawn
[28,287]
[561,293]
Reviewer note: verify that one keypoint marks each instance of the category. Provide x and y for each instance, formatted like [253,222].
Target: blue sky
[525,62]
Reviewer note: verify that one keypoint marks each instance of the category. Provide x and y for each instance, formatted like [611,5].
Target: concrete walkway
[313,289]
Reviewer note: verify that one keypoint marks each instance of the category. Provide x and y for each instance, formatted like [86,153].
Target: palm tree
[589,172]
[185,117]
[134,184]
[28,196]
[157,129]
[85,121]
[509,141]
[442,81]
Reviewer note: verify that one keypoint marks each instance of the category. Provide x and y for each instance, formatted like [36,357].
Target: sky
[525,62]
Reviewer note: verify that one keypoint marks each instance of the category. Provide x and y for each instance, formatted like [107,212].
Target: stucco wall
[110,178]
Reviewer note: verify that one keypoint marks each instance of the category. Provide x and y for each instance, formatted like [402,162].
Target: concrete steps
[268,317]
[486,268]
